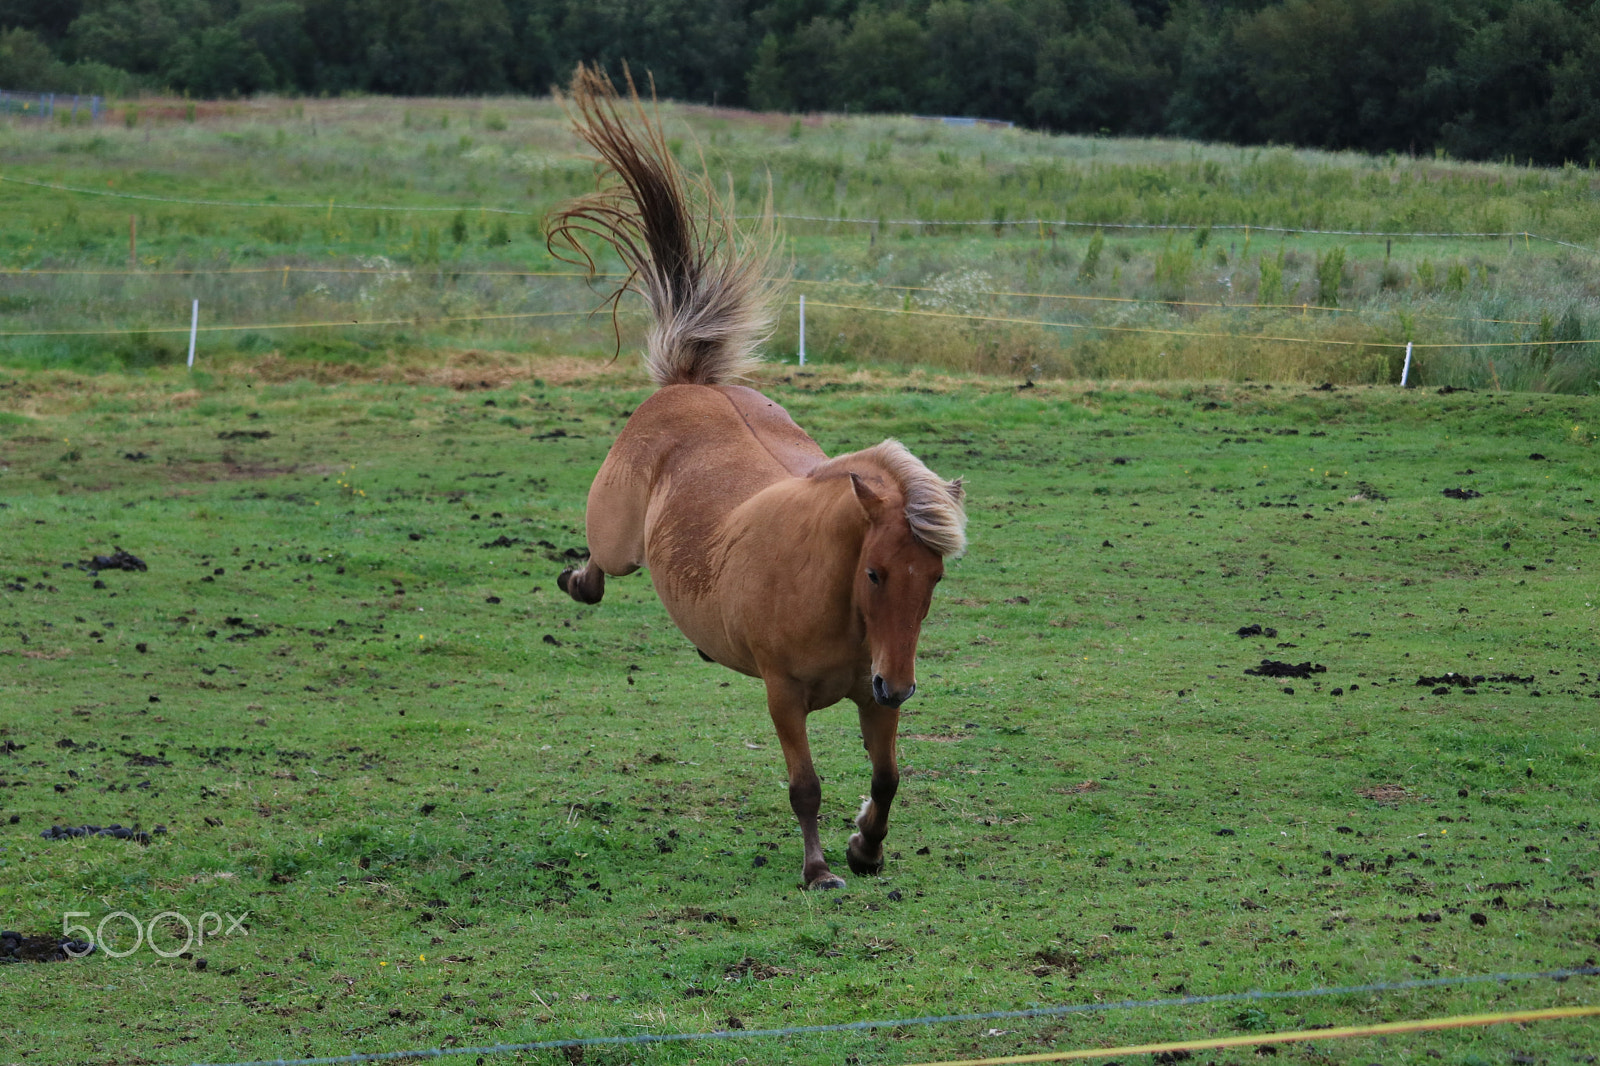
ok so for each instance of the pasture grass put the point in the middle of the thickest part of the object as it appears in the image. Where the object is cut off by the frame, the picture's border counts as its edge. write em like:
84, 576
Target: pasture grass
423, 259
460, 809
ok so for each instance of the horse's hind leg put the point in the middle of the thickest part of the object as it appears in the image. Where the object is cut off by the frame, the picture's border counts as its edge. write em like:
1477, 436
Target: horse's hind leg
879, 731
614, 523
787, 706
586, 583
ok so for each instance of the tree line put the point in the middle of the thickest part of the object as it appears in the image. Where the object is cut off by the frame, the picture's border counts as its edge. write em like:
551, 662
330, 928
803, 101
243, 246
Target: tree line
1473, 78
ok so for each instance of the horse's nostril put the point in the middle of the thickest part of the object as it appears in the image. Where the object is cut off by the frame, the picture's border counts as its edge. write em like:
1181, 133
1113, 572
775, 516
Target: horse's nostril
888, 696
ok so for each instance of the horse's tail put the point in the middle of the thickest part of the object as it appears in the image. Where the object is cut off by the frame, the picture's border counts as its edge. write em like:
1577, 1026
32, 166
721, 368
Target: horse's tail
707, 282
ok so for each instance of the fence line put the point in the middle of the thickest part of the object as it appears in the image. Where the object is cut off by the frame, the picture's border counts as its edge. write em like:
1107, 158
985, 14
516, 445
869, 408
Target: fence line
424, 321
1191, 333
1080, 224
1303, 307
1255, 995
23, 272
415, 320
1298, 1036
840, 219
43, 105
1186, 226
326, 205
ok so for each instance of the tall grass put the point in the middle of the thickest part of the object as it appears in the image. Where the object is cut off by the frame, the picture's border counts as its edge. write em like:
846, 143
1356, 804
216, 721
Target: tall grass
438, 163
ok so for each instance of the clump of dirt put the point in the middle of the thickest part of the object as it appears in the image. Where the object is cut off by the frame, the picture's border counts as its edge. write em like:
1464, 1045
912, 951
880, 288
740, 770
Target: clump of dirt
755, 968
695, 914
1443, 683
117, 560
19, 947
120, 832
1451, 678
1462, 494
1256, 630
245, 434
1274, 668
1053, 960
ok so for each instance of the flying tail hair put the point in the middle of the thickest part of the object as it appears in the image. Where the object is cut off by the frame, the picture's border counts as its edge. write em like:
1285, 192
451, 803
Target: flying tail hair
708, 283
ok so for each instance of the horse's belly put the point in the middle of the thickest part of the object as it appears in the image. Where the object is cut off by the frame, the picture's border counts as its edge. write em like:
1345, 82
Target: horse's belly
702, 622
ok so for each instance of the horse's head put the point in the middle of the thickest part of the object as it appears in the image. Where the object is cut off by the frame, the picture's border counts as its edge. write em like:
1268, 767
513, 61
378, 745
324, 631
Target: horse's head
893, 587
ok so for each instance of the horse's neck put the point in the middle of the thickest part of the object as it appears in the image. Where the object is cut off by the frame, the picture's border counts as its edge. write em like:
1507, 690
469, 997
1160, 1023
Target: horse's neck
814, 524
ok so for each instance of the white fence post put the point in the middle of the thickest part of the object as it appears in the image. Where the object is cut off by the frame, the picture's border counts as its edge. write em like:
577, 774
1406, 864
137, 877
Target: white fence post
1406, 371
802, 329
194, 327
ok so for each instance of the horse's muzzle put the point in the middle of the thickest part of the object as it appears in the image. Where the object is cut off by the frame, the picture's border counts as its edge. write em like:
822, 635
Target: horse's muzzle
890, 697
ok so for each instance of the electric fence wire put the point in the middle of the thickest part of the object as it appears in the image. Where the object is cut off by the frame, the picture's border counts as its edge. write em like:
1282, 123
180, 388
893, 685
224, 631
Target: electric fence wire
840, 219
1254, 995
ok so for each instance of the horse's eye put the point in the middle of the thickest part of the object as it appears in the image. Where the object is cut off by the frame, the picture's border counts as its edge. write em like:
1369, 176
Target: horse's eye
872, 575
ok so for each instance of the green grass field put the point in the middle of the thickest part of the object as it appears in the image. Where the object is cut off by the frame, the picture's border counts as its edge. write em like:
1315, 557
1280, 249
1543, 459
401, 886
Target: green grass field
461, 810
434, 262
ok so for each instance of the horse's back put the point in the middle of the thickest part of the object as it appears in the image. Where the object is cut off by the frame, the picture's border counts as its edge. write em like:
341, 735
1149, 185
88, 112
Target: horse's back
738, 439
771, 425
688, 456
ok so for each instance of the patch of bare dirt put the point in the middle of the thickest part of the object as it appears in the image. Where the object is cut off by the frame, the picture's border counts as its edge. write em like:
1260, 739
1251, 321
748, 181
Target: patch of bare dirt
755, 968
1387, 793
218, 471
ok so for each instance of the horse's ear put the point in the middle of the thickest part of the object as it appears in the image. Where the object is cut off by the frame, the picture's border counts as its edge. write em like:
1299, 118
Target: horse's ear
958, 490
870, 501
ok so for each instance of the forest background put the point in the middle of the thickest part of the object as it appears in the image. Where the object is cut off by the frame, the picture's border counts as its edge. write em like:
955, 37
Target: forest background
1473, 79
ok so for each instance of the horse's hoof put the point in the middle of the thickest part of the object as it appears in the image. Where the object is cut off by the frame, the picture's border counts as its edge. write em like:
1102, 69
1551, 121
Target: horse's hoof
564, 579
825, 881
860, 863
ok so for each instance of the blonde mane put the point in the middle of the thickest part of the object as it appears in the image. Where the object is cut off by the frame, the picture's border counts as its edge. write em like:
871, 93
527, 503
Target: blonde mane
934, 506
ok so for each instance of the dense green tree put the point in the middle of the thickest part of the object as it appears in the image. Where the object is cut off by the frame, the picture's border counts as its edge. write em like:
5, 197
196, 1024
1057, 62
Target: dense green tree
140, 36
1479, 78
881, 63
218, 61
981, 59
796, 74
355, 46
275, 29
1344, 73
1211, 98
49, 19
1100, 77
453, 47
26, 60
695, 51
1523, 86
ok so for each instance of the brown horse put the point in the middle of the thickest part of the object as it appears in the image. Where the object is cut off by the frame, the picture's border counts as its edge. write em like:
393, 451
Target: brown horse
812, 574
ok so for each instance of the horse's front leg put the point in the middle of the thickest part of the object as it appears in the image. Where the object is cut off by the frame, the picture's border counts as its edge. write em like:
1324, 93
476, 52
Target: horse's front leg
880, 728
787, 705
